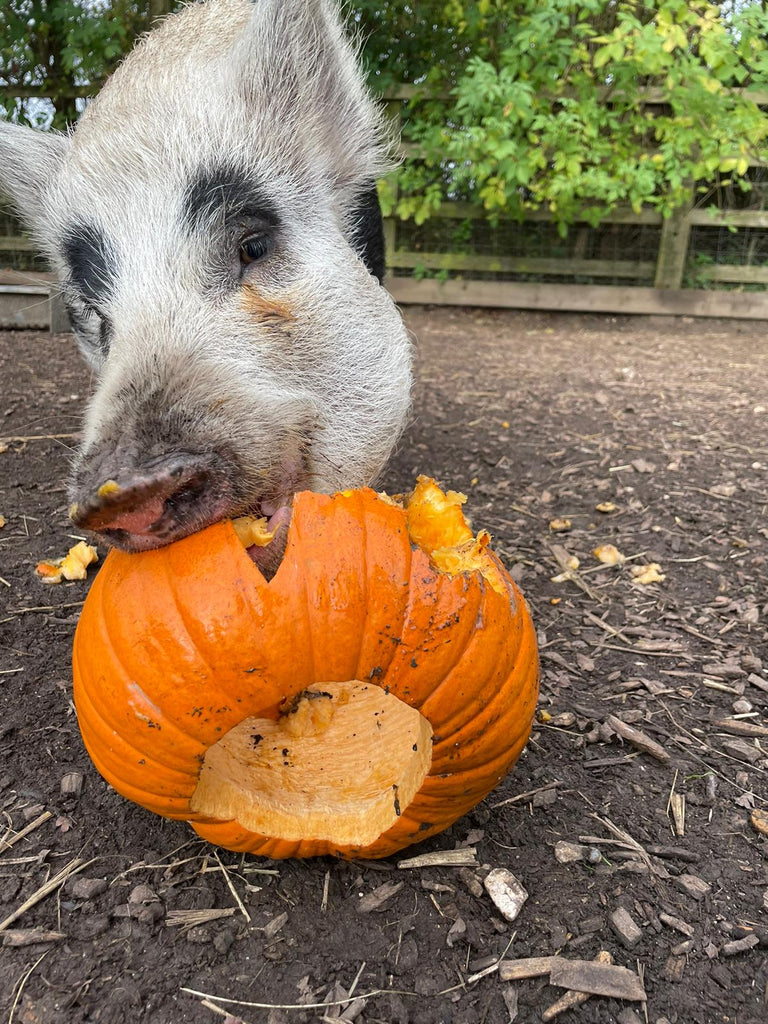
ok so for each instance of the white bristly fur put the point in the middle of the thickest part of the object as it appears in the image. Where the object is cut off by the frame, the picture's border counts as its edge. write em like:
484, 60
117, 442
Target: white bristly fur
273, 88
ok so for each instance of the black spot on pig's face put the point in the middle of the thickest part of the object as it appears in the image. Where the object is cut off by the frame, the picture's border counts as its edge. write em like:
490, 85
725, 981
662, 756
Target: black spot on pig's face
220, 196
92, 263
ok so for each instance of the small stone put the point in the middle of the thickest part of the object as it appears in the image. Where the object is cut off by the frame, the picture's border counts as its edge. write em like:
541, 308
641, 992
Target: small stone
149, 913
741, 706
506, 891
564, 720
594, 856
86, 888
567, 853
544, 798
142, 894
694, 886
223, 940
200, 935
627, 931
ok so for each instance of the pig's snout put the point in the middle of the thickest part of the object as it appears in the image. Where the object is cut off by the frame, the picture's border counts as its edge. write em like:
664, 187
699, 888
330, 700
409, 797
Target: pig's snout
138, 509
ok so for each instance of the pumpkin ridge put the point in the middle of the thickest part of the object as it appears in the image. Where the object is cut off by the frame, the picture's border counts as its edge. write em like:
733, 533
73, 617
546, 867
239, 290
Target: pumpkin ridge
471, 638
194, 635
363, 632
304, 602
497, 673
109, 609
474, 749
87, 713
415, 602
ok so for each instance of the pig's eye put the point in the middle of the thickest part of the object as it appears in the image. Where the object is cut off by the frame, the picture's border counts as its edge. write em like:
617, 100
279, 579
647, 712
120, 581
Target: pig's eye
253, 249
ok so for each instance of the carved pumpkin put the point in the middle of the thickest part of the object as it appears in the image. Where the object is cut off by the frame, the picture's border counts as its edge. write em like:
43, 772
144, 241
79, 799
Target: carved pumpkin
368, 695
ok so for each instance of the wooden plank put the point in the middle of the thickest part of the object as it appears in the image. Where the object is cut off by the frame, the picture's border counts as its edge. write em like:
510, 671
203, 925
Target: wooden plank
709, 218
24, 310
645, 94
471, 211
520, 265
733, 273
594, 298
673, 248
16, 243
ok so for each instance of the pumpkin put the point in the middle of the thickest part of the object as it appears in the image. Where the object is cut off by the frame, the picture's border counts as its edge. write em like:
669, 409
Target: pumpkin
364, 698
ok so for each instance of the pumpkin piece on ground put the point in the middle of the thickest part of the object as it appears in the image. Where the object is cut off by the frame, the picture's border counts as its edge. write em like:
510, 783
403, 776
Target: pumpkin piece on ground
73, 566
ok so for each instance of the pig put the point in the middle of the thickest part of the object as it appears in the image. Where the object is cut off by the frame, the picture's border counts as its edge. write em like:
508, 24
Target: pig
214, 223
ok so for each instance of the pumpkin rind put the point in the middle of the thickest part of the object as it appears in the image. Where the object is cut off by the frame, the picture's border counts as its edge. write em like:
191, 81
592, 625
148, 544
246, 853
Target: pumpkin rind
178, 645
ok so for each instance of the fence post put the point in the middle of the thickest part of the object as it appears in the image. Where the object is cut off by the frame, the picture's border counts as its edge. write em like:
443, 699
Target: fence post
158, 9
394, 112
673, 247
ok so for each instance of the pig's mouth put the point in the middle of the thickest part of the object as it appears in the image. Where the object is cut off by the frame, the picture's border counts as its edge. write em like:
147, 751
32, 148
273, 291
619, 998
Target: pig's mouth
139, 511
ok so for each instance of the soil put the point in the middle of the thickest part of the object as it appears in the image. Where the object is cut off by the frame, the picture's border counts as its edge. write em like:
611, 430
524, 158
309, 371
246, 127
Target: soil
538, 418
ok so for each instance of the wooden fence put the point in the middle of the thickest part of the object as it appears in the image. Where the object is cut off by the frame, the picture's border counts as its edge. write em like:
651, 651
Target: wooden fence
652, 283
661, 292
658, 283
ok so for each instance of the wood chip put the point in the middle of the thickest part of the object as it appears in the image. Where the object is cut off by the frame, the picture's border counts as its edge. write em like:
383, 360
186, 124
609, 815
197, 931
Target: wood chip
638, 739
382, 894
597, 979
742, 750
694, 886
571, 999
72, 784
759, 820
740, 945
29, 936
739, 728
627, 931
677, 924
442, 859
528, 967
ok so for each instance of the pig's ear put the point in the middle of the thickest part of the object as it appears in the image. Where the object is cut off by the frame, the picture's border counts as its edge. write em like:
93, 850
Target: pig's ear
29, 160
299, 73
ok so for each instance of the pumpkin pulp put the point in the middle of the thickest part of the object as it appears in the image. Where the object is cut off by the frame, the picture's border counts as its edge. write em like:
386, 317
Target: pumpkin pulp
338, 765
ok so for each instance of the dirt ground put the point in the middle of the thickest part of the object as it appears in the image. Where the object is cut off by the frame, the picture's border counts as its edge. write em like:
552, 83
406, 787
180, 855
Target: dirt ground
539, 418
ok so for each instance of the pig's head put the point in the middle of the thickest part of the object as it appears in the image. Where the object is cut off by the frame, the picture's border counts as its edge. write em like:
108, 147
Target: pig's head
214, 225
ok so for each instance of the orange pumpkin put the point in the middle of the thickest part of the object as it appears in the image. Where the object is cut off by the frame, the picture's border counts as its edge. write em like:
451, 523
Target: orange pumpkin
368, 695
